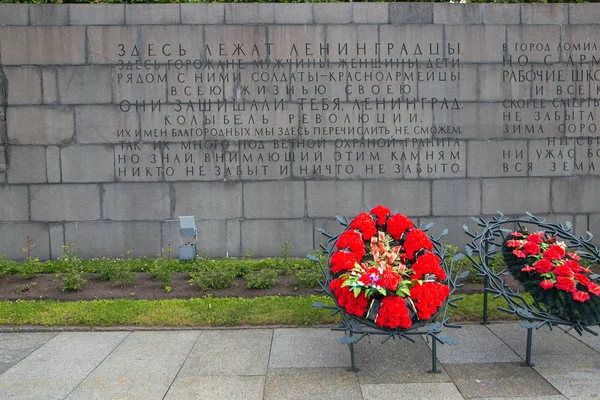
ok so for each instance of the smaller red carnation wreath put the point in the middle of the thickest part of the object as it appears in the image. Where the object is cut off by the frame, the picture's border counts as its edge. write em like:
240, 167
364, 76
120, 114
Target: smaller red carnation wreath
384, 270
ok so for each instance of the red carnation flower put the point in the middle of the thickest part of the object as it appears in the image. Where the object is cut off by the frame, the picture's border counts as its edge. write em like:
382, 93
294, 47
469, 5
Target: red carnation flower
357, 305
535, 238
531, 249
528, 268
428, 297
391, 280
352, 240
516, 234
381, 213
574, 256
398, 224
342, 261
581, 296
365, 223
428, 263
416, 240
543, 266
546, 284
393, 313
554, 253
566, 284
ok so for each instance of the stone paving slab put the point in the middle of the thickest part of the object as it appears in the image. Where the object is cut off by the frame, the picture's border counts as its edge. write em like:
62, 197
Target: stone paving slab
313, 383
413, 391
499, 380
217, 387
234, 352
16, 346
587, 338
56, 368
558, 397
544, 340
395, 361
477, 344
143, 366
308, 348
576, 376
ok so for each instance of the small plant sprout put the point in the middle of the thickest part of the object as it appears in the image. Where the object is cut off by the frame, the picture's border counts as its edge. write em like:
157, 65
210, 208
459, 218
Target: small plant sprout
285, 249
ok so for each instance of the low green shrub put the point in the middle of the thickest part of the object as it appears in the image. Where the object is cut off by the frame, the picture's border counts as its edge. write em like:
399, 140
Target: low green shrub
307, 277
207, 277
73, 280
262, 279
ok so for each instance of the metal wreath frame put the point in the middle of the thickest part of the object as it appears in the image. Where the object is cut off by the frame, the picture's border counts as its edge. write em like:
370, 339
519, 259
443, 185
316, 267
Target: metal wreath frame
356, 328
485, 244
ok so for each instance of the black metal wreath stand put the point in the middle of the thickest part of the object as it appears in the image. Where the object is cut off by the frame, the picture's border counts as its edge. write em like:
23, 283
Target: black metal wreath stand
355, 329
485, 244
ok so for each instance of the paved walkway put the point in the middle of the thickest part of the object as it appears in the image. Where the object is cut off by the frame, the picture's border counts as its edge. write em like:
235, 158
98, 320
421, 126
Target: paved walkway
293, 363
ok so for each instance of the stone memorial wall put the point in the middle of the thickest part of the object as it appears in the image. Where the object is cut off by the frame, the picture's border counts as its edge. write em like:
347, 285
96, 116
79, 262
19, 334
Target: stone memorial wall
265, 121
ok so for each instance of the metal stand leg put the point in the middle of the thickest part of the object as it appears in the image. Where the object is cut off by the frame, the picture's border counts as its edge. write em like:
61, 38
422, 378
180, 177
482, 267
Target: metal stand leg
353, 365
528, 362
434, 368
486, 284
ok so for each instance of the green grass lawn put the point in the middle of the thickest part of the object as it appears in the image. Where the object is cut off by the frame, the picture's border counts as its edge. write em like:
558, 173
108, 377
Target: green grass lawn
202, 312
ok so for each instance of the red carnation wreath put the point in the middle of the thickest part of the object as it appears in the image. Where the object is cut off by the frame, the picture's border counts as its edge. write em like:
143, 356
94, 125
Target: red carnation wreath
384, 270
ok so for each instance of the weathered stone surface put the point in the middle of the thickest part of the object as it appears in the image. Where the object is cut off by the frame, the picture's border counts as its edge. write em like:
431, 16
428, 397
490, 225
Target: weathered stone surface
53, 170
151, 14
14, 203
501, 13
249, 13
12, 239
517, 195
290, 36
208, 200
412, 390
102, 124
48, 14
273, 233
233, 247
223, 387
413, 198
87, 164
466, 195
198, 13
142, 201
411, 13
327, 13
461, 14
273, 200
146, 363
579, 193
24, 85
412, 35
325, 383
505, 158
114, 239
40, 125
370, 13
103, 44
78, 202
44, 44
296, 13
519, 37
307, 348
16, 346
55, 369
96, 14
548, 14
168, 43
28, 165
50, 86
84, 85
14, 14
330, 199
574, 376
57, 240
582, 14
478, 43
493, 89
